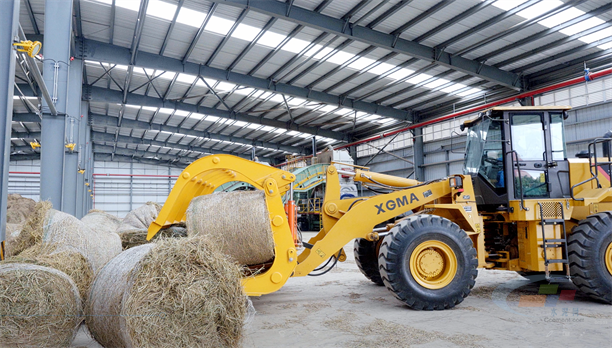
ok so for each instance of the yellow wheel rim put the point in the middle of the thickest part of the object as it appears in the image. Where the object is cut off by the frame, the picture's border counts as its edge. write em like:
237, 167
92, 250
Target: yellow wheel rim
433, 264
609, 258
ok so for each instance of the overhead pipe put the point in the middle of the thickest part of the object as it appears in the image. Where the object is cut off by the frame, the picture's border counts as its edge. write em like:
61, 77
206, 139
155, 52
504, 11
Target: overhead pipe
586, 77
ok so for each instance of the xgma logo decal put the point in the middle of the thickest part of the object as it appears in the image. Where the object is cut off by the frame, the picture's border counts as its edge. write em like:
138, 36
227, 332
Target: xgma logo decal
393, 204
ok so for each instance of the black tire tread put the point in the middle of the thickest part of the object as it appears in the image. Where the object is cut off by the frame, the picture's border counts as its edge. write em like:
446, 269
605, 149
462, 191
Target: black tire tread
389, 270
366, 259
582, 246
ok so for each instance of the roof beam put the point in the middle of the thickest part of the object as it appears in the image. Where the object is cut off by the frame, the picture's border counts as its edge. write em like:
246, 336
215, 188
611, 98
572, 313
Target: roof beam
138, 153
98, 94
171, 28
107, 137
463, 15
104, 157
111, 121
100, 51
520, 26
489, 22
28, 7
546, 32
387, 41
551, 45
227, 37
195, 40
390, 12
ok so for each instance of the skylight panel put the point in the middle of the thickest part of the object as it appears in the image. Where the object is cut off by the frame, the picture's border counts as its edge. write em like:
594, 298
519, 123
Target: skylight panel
211, 118
190, 17
133, 5
277, 98
436, 83
161, 9
240, 124
267, 129
219, 25
295, 45
279, 131
419, 78
148, 108
596, 36
340, 57
469, 92
183, 113
401, 73
381, 68
327, 108
245, 32
292, 133
361, 63
605, 46
253, 126
165, 111
507, 4
325, 51
582, 26
539, 8
197, 116
561, 17
185, 78
224, 86
296, 101
452, 88
271, 39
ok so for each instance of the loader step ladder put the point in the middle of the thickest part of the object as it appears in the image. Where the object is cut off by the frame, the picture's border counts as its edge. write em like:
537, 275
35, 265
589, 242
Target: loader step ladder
596, 166
554, 209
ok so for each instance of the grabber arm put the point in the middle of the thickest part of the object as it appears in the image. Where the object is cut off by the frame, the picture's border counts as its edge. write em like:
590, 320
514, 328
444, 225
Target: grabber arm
206, 174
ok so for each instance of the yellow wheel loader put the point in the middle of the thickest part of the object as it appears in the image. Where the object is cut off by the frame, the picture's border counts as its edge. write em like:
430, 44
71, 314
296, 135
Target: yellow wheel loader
520, 205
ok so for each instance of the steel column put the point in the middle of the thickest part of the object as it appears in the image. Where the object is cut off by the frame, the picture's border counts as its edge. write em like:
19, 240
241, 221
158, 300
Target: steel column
71, 158
418, 154
9, 24
82, 160
58, 33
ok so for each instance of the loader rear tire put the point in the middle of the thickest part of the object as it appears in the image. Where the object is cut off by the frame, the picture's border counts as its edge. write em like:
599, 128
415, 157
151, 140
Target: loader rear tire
428, 262
590, 256
366, 258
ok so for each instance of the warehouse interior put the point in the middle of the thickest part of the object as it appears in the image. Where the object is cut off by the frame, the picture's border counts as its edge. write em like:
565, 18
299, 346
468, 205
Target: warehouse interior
120, 96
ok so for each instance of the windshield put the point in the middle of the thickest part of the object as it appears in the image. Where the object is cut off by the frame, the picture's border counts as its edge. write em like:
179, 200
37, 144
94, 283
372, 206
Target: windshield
476, 139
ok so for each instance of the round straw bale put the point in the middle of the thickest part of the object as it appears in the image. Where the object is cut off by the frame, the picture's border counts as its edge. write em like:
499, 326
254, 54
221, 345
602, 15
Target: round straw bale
62, 258
133, 238
238, 222
101, 221
39, 306
18, 208
139, 218
66, 230
12, 232
174, 293
32, 230
49, 226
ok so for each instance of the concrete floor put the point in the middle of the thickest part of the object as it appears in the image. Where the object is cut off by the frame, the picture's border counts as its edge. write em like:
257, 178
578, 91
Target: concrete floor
344, 309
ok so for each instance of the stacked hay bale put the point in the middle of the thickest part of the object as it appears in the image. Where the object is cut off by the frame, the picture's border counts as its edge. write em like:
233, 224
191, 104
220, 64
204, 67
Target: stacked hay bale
51, 227
237, 222
18, 208
101, 221
174, 293
65, 259
39, 306
134, 227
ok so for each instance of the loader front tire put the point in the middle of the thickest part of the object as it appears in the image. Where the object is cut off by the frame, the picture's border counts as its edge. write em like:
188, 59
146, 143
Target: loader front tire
366, 258
428, 262
590, 256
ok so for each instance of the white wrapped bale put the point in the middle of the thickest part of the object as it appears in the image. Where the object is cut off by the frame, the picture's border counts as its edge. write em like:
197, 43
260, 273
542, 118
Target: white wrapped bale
101, 221
174, 293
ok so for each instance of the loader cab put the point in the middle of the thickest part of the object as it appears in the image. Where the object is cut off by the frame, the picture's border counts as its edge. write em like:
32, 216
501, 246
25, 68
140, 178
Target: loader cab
517, 153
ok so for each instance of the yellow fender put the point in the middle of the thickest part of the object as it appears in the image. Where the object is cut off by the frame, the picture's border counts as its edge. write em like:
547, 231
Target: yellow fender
206, 174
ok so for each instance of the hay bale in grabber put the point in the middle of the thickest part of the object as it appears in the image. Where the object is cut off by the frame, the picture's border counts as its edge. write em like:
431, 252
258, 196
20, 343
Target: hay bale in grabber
174, 293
